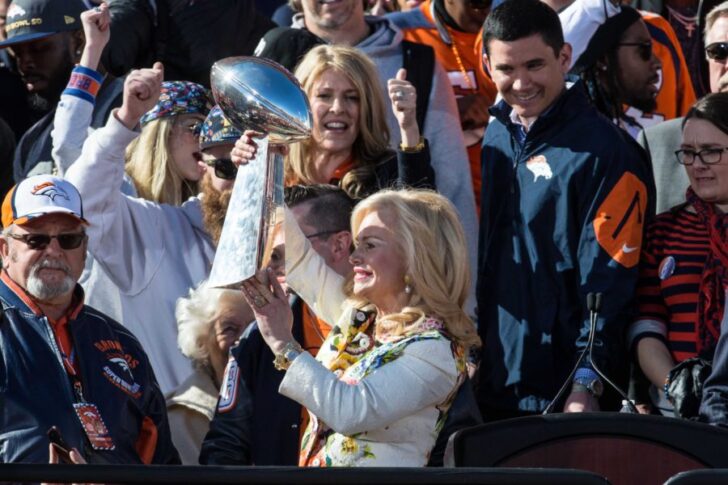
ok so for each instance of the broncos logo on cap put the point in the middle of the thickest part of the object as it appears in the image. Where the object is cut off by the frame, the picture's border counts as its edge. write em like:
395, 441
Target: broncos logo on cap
15, 10
50, 190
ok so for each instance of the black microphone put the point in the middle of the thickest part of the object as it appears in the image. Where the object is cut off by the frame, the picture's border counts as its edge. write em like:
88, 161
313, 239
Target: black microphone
594, 305
590, 303
594, 313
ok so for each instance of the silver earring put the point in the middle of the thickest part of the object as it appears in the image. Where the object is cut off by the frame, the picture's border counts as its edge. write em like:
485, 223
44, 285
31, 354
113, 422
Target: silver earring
407, 287
78, 52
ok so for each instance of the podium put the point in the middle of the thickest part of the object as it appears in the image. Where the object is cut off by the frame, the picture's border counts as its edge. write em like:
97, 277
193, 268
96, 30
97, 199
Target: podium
624, 448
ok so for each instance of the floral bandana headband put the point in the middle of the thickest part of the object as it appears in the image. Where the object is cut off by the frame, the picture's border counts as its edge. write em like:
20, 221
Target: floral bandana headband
179, 98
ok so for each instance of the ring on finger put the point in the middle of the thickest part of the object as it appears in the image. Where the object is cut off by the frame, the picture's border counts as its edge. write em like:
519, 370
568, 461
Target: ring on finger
97, 9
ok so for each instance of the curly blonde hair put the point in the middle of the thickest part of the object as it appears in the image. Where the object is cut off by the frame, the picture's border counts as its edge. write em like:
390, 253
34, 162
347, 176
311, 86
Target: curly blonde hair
432, 242
151, 168
372, 143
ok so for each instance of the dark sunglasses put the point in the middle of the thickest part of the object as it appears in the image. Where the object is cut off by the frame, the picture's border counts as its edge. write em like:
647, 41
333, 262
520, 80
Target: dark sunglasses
717, 51
41, 241
224, 168
644, 49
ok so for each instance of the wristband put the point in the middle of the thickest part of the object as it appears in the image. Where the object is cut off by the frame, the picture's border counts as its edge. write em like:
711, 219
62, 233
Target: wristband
85, 83
417, 148
586, 373
587, 379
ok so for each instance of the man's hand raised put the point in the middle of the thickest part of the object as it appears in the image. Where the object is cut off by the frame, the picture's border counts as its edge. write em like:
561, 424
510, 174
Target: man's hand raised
97, 31
141, 93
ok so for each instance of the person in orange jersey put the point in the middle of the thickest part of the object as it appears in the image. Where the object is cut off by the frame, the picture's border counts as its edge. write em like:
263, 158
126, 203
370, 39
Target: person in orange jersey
452, 28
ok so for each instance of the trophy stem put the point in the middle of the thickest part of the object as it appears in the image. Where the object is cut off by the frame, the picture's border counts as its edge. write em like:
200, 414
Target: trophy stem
273, 213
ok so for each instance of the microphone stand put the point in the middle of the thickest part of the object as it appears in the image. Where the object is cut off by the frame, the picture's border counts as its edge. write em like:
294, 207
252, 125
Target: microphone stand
594, 304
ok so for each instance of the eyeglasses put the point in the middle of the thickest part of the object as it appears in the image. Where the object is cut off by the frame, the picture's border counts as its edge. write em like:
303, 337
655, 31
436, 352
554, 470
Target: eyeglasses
709, 156
224, 168
644, 49
717, 51
193, 127
41, 241
323, 233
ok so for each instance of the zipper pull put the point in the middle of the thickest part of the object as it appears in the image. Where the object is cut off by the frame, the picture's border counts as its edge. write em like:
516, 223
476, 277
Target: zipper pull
78, 390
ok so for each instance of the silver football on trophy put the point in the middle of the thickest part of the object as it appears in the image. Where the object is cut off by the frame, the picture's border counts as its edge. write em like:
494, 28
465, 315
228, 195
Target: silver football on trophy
256, 94
261, 95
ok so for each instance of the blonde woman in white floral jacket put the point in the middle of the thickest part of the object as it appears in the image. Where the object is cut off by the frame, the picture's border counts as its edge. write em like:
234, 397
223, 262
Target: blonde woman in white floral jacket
380, 388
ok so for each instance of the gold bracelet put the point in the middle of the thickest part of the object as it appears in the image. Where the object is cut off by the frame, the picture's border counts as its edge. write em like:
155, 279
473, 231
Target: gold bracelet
289, 353
417, 148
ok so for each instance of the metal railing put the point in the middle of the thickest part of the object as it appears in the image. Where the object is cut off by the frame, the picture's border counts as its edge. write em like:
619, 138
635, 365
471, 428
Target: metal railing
136, 474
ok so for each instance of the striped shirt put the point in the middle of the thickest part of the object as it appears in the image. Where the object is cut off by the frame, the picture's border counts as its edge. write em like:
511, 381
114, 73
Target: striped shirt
670, 273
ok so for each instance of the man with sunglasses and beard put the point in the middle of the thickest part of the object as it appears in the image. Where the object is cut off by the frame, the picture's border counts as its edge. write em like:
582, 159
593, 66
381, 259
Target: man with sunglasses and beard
619, 68
92, 372
675, 93
661, 141
217, 139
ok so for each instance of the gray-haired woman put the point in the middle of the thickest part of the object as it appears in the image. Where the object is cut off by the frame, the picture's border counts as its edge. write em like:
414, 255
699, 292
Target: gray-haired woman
210, 320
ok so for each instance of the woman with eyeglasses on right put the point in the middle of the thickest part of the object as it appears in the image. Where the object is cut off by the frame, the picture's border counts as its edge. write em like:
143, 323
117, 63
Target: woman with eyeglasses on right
684, 267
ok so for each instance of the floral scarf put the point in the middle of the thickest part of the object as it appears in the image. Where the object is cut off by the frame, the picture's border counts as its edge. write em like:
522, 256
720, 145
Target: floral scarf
714, 280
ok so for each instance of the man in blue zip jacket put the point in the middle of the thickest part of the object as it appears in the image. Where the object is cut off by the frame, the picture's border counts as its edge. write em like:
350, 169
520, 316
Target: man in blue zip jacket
63, 363
564, 202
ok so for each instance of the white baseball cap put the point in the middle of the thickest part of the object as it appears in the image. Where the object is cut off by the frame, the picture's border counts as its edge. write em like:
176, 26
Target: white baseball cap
38, 196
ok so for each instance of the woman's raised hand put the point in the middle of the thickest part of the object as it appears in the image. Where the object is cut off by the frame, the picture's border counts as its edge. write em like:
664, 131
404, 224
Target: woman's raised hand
246, 148
141, 93
270, 305
403, 97
97, 31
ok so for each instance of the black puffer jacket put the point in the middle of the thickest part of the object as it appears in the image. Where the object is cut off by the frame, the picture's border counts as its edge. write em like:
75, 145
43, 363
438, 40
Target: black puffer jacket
187, 36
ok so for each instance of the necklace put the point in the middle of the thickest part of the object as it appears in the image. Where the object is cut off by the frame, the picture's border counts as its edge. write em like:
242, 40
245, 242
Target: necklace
459, 60
688, 23
447, 38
